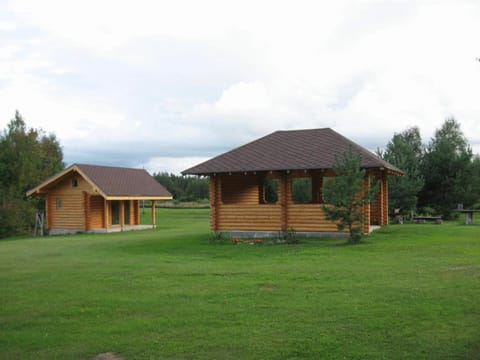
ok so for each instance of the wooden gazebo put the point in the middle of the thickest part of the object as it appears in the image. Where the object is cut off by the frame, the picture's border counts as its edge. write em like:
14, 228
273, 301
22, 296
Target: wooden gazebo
91, 198
241, 179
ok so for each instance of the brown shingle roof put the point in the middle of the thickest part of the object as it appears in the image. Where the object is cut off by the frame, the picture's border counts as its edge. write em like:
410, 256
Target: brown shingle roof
112, 182
289, 150
119, 181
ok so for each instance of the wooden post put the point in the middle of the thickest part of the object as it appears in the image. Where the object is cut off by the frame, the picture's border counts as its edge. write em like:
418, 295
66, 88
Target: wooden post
283, 201
317, 184
122, 213
385, 198
366, 206
136, 205
214, 201
105, 214
42, 219
48, 210
153, 214
86, 205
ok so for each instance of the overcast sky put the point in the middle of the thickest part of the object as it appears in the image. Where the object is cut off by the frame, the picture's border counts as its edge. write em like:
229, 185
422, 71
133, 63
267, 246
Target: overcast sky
166, 84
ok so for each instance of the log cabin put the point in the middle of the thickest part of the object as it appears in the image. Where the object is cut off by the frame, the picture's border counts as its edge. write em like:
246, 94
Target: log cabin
91, 198
254, 188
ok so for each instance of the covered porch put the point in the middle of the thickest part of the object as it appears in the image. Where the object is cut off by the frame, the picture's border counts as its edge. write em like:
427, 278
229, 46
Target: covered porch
113, 214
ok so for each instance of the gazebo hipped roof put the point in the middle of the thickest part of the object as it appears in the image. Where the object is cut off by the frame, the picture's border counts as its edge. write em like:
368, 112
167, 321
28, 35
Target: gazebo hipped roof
312, 149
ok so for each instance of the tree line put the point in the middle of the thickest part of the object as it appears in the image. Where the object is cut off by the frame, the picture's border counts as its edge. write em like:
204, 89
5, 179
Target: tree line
437, 176
184, 188
27, 157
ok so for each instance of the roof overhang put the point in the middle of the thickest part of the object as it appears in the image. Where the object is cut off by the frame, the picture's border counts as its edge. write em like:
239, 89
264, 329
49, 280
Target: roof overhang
41, 189
142, 197
389, 171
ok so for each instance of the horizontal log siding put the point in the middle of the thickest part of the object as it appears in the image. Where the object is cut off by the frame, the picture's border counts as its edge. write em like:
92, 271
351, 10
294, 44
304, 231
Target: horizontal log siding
249, 217
384, 209
308, 217
72, 213
379, 207
248, 214
235, 204
239, 207
366, 206
376, 205
240, 189
96, 212
214, 194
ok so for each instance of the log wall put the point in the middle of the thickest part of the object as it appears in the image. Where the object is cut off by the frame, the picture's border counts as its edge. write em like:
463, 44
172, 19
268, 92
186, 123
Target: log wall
96, 218
379, 208
71, 213
240, 189
80, 209
236, 203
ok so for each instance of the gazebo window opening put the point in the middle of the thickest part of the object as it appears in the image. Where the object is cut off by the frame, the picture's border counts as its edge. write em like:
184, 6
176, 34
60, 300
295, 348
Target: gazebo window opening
270, 191
302, 190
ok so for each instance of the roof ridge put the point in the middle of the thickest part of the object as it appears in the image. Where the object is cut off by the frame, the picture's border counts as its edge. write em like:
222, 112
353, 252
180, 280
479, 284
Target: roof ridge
108, 166
299, 130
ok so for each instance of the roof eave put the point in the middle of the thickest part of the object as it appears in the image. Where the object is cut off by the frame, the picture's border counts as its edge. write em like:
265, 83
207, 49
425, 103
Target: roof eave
140, 197
40, 189
390, 171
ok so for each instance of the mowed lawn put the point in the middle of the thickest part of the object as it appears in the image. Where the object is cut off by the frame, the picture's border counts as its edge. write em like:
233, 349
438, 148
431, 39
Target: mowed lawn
407, 292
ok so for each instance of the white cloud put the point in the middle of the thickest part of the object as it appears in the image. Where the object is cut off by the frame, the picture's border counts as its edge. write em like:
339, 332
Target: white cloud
173, 165
240, 98
191, 79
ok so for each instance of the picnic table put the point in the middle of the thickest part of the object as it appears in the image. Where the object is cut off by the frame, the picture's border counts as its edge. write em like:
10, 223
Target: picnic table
424, 219
468, 214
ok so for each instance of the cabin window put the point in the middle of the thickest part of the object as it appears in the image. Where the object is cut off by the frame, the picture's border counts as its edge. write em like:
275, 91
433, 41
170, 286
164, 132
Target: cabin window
74, 183
270, 191
302, 190
59, 203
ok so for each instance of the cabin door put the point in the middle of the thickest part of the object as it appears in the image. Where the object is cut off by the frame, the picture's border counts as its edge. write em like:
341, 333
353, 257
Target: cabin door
115, 212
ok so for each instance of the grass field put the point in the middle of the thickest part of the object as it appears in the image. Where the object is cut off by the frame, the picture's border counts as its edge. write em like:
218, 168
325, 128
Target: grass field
407, 292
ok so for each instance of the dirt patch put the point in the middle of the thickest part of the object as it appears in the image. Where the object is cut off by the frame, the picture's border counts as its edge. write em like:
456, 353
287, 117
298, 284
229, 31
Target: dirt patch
107, 356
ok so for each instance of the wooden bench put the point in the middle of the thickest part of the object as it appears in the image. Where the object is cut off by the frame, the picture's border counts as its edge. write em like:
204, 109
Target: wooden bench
424, 219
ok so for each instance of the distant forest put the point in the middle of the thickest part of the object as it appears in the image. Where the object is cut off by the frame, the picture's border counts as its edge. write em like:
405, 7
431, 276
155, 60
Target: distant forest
184, 188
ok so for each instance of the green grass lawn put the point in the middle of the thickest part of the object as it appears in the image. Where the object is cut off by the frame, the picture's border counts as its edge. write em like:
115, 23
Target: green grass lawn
407, 292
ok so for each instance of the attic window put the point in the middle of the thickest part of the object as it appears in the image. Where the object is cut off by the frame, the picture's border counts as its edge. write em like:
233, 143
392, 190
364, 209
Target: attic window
74, 182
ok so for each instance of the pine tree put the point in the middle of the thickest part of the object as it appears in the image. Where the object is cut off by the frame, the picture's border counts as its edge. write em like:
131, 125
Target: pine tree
448, 169
405, 151
345, 195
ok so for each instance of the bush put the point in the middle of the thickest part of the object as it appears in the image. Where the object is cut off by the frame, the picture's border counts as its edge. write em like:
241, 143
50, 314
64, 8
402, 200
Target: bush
16, 217
218, 237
